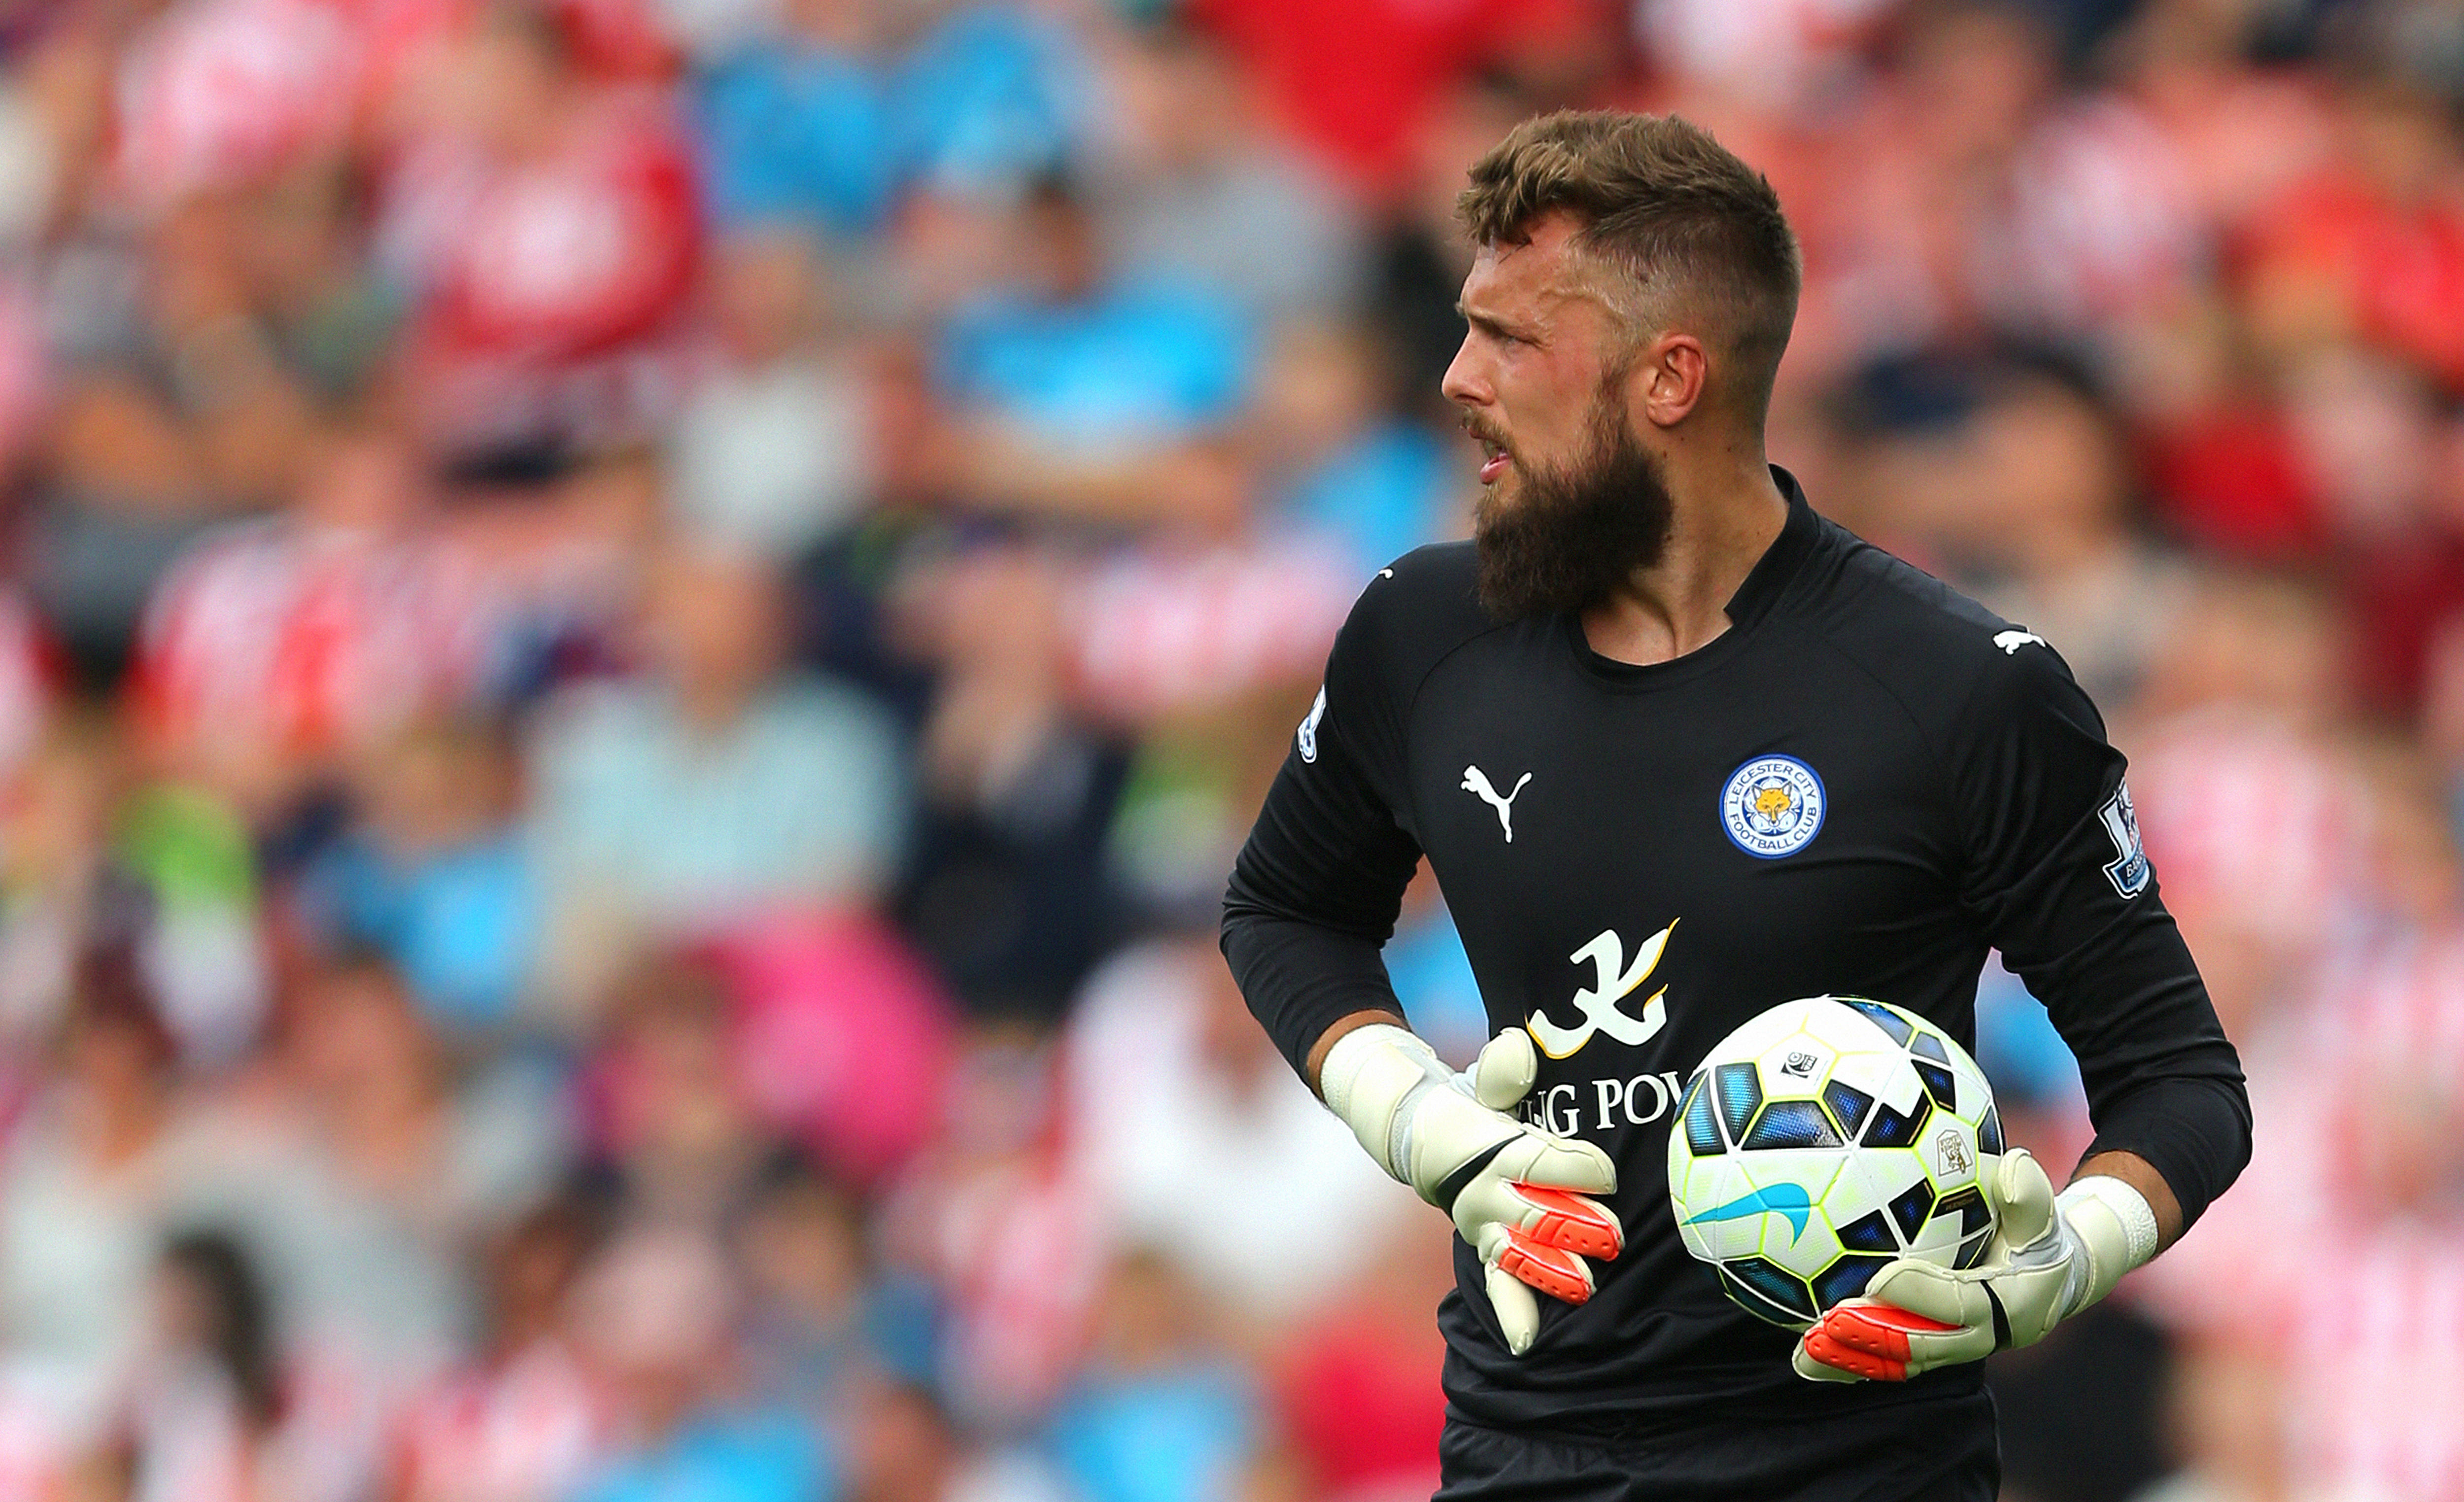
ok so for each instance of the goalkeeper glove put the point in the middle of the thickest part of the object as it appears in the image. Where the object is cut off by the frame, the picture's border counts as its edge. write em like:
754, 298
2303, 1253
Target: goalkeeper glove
2049, 1258
1518, 1195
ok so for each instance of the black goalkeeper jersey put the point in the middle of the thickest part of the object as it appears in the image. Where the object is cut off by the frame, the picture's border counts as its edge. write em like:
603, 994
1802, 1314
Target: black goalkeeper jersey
1861, 786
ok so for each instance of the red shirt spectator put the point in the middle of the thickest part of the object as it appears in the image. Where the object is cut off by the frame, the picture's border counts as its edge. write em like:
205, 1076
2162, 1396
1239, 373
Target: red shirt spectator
2230, 480
554, 239
525, 1430
215, 93
1354, 77
1363, 1406
2379, 254
1148, 634
297, 639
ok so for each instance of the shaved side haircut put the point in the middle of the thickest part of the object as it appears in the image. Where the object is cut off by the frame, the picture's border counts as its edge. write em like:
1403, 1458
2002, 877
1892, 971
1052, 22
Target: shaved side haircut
1675, 226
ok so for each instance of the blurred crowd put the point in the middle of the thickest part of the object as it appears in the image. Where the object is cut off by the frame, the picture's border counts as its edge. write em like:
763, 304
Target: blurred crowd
636, 634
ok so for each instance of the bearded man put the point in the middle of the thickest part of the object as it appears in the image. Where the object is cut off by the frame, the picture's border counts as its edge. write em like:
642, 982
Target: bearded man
1659, 708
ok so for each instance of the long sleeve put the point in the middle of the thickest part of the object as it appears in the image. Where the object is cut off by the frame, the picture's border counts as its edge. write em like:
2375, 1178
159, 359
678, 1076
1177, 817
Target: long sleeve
1314, 895
2055, 871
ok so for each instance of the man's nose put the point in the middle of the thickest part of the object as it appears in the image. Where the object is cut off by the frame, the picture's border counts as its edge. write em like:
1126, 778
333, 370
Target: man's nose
1466, 382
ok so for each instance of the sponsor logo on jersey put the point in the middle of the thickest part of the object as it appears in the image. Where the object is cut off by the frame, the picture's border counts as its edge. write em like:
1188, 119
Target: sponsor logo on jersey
1772, 806
1613, 979
1308, 727
2128, 870
1780, 1198
1637, 1101
2011, 641
1476, 783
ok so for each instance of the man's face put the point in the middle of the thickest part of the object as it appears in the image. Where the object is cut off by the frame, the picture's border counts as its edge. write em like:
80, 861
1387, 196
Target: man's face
1532, 360
1572, 502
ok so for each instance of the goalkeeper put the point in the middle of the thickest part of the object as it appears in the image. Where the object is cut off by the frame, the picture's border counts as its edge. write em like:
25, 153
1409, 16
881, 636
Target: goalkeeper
1679, 749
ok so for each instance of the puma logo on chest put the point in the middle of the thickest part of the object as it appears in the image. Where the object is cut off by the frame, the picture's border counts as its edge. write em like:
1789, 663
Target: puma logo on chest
1476, 783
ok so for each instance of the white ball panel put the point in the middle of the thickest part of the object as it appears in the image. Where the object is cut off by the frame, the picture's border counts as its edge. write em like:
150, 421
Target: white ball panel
1756, 1036
1794, 1067
1804, 1253
1843, 1026
1869, 1071
1975, 1094
1713, 1185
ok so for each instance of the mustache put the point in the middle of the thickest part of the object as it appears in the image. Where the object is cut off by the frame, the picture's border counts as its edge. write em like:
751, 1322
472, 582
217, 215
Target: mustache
1480, 431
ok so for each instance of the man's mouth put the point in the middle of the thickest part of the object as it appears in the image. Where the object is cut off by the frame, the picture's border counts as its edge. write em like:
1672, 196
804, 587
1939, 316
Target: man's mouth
1493, 460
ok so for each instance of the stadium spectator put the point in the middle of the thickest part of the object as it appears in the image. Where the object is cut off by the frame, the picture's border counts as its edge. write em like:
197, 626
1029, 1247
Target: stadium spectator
432, 873
716, 787
654, 1313
522, 1421
775, 450
1204, 1090
89, 1168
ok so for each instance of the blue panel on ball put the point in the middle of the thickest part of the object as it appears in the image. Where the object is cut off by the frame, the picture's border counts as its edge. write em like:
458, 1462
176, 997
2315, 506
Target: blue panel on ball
1793, 1123
1848, 1105
1868, 1233
1740, 1092
1969, 1203
1755, 1304
1882, 1017
1845, 1278
1776, 1284
1702, 1134
1912, 1209
1891, 1129
1989, 1131
1938, 1084
1930, 1046
1972, 1252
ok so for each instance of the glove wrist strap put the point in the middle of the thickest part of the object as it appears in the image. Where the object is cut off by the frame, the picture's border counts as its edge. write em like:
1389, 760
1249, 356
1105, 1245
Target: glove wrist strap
2116, 1229
1370, 1078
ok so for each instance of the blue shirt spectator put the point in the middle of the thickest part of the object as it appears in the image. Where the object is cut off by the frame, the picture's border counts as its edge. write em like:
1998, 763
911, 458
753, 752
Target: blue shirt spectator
2016, 1046
989, 98
799, 133
1123, 366
461, 925
715, 786
1380, 496
771, 1456
1433, 980
1178, 1435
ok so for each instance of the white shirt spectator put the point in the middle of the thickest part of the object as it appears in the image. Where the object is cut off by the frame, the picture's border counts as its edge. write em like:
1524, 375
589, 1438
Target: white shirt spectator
1226, 1162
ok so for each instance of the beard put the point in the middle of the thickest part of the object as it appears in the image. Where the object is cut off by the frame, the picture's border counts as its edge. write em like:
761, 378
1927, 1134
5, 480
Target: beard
1571, 535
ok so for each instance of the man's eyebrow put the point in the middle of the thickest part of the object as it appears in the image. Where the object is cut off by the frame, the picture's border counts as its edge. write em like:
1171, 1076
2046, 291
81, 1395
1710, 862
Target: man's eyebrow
1483, 321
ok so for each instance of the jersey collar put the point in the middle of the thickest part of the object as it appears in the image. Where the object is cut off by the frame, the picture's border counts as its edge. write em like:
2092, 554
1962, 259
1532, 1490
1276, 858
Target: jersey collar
1765, 583
1768, 579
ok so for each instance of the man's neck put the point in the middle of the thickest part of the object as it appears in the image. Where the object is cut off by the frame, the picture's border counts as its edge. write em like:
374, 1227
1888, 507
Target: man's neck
1719, 525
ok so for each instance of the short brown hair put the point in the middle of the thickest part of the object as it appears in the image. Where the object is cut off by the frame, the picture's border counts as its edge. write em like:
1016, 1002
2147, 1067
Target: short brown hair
1660, 203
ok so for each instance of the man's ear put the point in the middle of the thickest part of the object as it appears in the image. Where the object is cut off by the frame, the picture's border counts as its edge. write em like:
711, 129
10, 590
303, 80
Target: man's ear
1668, 378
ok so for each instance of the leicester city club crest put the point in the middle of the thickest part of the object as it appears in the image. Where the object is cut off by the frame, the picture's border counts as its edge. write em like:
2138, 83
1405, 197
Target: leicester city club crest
1772, 806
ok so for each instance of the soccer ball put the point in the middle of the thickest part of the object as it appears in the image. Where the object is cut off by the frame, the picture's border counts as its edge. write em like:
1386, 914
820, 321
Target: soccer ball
1822, 1140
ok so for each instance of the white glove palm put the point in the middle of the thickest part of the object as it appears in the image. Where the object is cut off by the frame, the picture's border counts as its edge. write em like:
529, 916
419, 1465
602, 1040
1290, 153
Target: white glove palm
1517, 1194
2049, 1258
